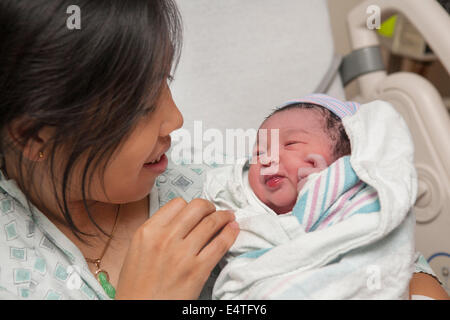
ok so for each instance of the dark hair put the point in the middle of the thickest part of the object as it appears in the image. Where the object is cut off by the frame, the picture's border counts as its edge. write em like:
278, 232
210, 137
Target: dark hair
332, 124
91, 85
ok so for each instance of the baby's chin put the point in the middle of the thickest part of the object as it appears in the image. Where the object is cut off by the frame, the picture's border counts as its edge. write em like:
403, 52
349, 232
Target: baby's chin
281, 204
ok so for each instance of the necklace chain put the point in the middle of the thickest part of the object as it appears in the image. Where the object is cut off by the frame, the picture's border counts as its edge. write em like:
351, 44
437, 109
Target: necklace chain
102, 275
97, 262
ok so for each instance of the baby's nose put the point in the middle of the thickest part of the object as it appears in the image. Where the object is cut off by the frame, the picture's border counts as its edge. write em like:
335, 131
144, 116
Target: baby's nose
270, 165
269, 158
269, 161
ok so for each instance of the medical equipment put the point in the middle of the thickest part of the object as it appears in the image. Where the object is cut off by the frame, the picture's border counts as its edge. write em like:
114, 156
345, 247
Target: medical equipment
423, 109
404, 39
242, 58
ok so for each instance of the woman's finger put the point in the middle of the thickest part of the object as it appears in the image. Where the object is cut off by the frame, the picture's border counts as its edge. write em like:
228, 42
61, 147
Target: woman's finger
207, 228
160, 265
211, 254
190, 216
166, 213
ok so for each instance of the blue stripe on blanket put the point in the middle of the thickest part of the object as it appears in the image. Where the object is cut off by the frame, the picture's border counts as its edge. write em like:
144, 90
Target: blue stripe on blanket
300, 207
371, 207
254, 254
328, 205
350, 179
326, 190
350, 175
317, 223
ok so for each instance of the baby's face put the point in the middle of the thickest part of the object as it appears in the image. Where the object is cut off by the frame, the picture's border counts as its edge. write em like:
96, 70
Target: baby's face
301, 133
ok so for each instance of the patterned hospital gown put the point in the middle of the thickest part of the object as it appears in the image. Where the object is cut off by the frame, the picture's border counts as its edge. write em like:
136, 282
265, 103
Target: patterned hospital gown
37, 261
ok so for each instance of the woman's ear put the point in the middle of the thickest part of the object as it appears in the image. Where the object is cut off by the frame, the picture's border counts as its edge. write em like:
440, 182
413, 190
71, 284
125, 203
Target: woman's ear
32, 148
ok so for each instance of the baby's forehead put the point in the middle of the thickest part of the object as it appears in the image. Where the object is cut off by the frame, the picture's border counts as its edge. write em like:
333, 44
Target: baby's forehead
294, 117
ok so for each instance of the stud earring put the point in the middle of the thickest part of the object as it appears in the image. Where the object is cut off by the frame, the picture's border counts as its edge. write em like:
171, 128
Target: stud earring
41, 154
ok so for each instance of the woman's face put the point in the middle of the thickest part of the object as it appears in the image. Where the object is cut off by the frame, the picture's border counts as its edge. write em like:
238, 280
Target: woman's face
130, 174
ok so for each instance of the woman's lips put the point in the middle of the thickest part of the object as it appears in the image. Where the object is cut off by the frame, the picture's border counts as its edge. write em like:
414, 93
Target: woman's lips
159, 166
157, 159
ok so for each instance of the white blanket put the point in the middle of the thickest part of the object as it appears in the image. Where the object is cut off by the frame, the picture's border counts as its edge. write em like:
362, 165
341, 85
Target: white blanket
362, 256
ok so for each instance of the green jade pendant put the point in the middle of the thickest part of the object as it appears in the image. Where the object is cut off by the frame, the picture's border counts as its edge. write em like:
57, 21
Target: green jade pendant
103, 279
102, 275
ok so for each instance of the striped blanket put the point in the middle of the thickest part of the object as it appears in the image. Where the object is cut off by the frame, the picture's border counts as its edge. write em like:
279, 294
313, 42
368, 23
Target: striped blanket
334, 195
350, 234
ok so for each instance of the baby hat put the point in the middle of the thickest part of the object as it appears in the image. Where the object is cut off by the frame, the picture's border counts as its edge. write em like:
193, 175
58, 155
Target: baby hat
338, 107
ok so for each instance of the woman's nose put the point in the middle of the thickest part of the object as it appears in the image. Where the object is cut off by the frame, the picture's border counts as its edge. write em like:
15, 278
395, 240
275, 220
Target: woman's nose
177, 117
174, 118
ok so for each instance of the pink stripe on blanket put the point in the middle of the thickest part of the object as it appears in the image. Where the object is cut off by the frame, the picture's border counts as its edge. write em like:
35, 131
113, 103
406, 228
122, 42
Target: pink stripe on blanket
369, 196
341, 204
336, 181
278, 287
312, 212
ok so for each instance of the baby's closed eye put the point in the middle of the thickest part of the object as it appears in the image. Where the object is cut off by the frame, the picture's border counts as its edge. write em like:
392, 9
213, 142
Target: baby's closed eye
294, 144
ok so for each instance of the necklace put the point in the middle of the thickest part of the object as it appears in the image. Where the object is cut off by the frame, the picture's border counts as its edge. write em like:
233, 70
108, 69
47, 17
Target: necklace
102, 274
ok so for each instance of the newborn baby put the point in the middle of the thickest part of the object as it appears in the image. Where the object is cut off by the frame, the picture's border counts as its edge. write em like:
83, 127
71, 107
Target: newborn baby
317, 202
311, 137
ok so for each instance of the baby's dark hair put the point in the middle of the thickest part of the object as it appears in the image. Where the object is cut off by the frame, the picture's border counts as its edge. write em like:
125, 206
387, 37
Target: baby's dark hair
332, 124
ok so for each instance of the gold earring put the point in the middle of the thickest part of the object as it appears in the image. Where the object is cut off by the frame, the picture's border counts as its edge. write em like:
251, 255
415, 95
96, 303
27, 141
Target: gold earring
41, 154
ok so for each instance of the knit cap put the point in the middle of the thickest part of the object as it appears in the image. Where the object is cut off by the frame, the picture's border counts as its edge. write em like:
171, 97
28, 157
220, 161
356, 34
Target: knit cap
338, 107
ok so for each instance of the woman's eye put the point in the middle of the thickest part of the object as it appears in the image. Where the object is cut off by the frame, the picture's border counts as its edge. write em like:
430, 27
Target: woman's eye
292, 143
148, 111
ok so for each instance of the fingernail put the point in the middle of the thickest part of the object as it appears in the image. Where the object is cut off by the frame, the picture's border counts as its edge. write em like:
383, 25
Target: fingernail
234, 225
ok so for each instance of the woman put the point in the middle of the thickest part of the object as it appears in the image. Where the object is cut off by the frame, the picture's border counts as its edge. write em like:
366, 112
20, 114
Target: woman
85, 121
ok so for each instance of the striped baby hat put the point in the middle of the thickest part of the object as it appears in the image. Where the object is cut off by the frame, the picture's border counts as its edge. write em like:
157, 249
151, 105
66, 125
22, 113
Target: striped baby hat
338, 107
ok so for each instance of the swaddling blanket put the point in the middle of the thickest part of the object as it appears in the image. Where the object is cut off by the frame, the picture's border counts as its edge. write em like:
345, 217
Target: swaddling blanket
350, 234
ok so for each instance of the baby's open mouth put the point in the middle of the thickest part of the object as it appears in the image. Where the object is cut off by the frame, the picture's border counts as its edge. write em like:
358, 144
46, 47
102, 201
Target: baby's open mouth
273, 180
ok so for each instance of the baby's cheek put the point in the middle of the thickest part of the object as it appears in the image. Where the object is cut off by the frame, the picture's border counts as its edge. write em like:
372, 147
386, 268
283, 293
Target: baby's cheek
253, 178
251, 174
293, 169
326, 151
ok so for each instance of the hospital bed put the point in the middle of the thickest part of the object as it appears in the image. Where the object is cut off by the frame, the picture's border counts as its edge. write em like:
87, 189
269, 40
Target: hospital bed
240, 59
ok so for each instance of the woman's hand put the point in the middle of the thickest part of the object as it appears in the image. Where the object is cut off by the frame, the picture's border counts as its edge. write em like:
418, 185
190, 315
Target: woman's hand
173, 253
